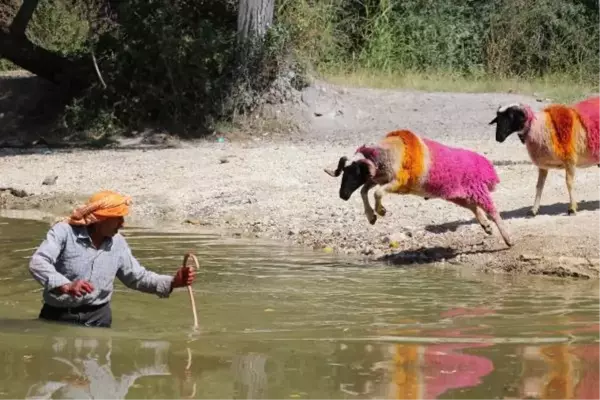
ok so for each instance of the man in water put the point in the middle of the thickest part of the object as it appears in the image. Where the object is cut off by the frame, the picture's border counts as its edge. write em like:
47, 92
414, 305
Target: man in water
77, 263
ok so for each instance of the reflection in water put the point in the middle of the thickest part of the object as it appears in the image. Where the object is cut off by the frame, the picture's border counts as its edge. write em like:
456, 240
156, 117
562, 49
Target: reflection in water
296, 325
250, 377
82, 369
560, 372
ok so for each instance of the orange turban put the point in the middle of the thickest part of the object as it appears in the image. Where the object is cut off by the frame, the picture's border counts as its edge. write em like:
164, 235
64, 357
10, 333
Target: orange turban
100, 206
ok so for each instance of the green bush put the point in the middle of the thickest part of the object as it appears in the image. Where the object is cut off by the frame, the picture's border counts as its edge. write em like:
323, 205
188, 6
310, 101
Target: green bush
525, 38
176, 64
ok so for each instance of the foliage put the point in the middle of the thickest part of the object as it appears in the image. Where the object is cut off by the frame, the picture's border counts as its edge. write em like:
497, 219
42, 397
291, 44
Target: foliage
510, 38
176, 63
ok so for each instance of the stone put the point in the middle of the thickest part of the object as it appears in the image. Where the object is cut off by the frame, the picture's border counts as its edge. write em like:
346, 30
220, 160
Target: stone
50, 180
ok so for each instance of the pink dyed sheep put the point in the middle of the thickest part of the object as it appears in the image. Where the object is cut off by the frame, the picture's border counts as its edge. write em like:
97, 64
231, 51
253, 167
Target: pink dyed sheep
404, 163
558, 137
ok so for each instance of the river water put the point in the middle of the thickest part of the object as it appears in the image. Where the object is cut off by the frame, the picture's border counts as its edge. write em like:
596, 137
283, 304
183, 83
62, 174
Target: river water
283, 323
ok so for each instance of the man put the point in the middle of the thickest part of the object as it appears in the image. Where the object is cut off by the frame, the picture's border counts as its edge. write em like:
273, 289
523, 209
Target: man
77, 263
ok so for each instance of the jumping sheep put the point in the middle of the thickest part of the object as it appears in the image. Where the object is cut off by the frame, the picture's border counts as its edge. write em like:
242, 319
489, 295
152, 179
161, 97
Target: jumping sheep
558, 137
405, 163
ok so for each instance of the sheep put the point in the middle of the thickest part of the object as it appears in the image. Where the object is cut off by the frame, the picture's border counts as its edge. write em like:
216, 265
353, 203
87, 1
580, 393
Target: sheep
406, 163
558, 137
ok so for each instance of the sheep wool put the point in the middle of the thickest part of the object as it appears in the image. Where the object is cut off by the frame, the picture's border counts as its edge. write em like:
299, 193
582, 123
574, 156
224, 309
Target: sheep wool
434, 170
589, 114
569, 132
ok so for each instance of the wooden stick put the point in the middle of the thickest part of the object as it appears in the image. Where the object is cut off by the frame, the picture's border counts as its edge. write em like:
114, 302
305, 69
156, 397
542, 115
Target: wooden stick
190, 292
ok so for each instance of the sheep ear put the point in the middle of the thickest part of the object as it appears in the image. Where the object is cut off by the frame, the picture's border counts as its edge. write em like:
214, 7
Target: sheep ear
368, 166
492, 122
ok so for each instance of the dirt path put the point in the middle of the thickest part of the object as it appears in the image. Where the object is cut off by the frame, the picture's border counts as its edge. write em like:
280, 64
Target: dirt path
276, 188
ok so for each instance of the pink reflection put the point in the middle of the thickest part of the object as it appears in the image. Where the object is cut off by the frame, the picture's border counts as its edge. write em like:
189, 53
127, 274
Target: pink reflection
467, 312
429, 371
446, 368
588, 385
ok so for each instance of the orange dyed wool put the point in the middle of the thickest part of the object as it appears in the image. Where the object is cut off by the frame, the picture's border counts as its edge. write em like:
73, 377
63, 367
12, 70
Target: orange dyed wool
562, 122
412, 159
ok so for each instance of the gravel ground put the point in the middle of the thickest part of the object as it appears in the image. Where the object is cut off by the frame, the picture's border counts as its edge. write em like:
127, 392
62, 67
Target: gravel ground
273, 186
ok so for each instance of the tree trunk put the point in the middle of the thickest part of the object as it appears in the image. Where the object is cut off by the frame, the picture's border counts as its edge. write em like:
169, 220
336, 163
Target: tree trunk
254, 18
19, 23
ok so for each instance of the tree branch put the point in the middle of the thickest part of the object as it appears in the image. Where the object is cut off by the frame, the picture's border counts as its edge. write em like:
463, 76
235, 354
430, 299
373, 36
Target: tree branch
70, 74
21, 20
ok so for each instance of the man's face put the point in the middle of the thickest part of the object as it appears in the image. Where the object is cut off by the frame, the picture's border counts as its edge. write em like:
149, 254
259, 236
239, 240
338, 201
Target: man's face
110, 226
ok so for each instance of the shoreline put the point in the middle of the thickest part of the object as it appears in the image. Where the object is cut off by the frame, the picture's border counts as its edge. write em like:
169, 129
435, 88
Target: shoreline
273, 187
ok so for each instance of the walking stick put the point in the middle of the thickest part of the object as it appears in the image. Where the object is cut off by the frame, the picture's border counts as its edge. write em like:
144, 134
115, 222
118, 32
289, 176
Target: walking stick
190, 292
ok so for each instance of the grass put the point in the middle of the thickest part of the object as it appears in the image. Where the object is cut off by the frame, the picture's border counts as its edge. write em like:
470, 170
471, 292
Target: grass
557, 88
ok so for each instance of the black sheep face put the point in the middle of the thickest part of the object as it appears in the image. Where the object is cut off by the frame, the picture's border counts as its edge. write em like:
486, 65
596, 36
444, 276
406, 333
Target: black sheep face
509, 119
354, 176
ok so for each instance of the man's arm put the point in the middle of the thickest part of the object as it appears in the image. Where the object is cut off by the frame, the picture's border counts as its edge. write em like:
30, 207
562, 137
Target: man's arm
41, 264
134, 276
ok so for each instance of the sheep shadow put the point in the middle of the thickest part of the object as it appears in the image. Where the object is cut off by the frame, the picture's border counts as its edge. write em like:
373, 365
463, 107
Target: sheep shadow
523, 212
427, 255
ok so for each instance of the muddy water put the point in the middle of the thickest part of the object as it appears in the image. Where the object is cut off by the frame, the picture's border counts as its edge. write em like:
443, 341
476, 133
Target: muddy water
281, 323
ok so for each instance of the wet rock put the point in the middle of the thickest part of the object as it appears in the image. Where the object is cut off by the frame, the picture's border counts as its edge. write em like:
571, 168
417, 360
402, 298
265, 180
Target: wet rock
367, 251
15, 192
530, 257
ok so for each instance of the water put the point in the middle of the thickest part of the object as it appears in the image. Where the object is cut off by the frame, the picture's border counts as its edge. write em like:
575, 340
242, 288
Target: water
283, 323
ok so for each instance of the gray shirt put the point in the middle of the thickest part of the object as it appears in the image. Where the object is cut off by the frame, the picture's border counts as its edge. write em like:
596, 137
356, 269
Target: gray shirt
68, 254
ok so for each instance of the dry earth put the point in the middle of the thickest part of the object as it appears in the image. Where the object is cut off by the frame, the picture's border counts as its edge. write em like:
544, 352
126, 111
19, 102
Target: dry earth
273, 186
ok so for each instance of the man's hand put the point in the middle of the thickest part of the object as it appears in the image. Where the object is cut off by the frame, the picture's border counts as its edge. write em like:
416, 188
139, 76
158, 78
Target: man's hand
77, 288
183, 277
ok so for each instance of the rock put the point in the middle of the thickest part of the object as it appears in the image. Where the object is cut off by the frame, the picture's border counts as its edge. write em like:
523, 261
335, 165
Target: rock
15, 192
395, 238
530, 257
223, 160
50, 180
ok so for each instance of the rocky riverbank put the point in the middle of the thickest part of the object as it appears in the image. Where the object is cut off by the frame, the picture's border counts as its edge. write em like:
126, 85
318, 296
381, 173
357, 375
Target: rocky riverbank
273, 186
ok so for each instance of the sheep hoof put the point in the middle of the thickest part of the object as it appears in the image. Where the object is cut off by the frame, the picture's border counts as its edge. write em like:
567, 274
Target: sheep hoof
532, 213
373, 219
572, 212
381, 211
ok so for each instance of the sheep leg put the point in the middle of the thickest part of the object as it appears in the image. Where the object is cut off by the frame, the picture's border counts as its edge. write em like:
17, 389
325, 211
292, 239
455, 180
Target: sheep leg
479, 214
490, 209
364, 194
570, 175
482, 219
542, 174
378, 195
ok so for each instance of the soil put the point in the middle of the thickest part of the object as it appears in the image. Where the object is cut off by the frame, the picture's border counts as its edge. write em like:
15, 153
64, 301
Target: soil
270, 183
